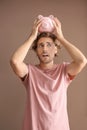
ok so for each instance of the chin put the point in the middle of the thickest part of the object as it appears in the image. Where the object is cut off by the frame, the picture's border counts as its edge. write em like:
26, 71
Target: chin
46, 61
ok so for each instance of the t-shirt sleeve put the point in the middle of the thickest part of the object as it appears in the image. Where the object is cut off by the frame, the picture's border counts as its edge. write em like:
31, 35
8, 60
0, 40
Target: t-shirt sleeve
68, 77
25, 79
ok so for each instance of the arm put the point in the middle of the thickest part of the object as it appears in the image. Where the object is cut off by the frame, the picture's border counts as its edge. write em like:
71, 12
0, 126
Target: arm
79, 60
17, 59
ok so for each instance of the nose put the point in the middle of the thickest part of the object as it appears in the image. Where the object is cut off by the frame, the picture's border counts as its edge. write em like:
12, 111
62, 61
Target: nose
45, 47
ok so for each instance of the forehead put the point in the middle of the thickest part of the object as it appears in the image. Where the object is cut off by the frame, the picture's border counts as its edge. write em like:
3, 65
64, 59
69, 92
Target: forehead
44, 39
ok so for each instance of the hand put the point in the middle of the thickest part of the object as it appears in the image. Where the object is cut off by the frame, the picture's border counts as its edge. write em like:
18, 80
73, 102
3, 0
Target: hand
36, 25
57, 28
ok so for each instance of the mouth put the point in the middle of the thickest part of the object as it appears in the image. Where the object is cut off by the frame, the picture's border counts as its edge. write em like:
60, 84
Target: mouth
45, 55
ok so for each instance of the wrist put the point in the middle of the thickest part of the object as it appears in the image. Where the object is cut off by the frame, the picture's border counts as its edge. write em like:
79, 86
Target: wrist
60, 39
31, 37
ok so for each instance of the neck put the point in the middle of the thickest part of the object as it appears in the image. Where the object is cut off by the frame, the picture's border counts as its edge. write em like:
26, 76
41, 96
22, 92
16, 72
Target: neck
46, 65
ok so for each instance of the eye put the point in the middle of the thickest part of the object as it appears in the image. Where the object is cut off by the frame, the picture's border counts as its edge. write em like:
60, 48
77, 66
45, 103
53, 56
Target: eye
40, 45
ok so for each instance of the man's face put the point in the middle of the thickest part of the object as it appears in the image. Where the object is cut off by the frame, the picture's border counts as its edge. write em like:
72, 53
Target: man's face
46, 50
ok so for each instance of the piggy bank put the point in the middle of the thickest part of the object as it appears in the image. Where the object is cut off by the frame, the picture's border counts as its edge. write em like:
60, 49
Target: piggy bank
47, 24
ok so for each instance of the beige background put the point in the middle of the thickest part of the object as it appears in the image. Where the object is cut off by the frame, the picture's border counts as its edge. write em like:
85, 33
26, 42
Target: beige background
16, 20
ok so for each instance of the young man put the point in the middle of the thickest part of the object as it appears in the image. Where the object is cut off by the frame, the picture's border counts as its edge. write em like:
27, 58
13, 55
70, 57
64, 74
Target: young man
46, 83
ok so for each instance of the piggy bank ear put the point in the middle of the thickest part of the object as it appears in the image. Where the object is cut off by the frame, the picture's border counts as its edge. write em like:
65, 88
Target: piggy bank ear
51, 16
40, 16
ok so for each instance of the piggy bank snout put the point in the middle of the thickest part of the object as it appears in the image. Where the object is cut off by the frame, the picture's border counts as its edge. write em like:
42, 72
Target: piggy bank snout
46, 23
46, 26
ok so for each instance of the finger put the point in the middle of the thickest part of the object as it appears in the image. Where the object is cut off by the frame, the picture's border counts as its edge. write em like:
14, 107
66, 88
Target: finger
56, 20
37, 24
37, 21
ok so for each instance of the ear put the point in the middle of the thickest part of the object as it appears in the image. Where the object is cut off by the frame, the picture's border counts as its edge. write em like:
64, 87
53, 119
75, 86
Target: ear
51, 16
40, 16
56, 50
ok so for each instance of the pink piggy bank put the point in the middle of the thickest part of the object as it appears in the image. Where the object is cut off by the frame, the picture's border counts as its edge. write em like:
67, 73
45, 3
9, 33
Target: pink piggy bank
47, 24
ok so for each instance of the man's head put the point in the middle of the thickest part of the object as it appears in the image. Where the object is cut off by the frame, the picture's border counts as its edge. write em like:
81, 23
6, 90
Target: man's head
45, 35
46, 46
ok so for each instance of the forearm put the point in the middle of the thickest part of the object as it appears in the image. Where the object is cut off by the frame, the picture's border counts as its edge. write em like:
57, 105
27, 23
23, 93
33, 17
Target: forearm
20, 54
73, 51
17, 59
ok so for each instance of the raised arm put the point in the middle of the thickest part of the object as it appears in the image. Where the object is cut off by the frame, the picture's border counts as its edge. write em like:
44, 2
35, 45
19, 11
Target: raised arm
78, 59
17, 59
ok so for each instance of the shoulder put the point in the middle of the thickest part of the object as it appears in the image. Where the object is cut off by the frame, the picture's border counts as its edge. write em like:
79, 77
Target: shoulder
63, 65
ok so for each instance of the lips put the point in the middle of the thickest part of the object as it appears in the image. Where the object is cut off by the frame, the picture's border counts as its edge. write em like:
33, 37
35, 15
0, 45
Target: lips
45, 55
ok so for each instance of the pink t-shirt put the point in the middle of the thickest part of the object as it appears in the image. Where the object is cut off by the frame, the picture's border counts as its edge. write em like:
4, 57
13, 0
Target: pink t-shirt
46, 106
